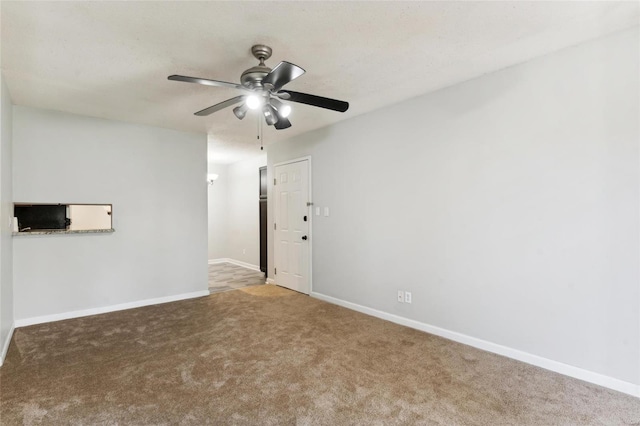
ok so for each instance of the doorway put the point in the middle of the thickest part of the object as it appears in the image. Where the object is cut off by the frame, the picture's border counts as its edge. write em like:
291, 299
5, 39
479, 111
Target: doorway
236, 204
292, 225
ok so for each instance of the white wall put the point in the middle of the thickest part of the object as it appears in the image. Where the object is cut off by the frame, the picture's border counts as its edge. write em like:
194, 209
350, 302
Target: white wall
234, 216
508, 205
6, 214
244, 213
218, 230
155, 179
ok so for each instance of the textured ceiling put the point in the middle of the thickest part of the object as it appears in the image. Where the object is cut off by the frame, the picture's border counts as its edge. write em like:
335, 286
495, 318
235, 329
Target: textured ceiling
112, 59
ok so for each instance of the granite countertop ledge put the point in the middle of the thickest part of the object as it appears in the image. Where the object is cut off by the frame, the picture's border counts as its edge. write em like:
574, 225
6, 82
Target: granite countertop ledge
63, 231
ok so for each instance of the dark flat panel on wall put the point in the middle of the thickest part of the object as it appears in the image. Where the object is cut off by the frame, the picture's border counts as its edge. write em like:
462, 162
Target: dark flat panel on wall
41, 216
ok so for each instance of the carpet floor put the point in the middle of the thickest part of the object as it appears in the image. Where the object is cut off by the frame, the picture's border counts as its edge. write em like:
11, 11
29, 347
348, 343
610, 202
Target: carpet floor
267, 356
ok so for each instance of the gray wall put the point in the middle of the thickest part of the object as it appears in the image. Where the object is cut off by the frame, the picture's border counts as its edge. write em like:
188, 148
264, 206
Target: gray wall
155, 179
6, 214
244, 212
508, 205
218, 214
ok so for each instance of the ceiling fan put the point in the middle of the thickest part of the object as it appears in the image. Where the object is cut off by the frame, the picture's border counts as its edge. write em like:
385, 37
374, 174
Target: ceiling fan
263, 90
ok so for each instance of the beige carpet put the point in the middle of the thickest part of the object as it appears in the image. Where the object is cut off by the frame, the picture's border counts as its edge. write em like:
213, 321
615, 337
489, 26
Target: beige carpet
267, 356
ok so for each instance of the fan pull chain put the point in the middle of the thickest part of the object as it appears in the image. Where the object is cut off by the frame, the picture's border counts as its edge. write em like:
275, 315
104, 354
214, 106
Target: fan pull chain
260, 136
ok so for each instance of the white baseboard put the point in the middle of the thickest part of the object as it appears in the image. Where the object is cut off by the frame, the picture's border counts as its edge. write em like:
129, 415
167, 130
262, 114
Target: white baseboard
7, 342
113, 308
235, 262
538, 361
245, 264
270, 281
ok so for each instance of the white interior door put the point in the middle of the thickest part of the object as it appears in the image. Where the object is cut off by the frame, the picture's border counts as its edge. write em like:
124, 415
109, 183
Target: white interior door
291, 233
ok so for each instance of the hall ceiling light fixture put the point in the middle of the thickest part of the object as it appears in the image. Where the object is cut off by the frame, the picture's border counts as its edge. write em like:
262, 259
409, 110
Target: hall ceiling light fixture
212, 178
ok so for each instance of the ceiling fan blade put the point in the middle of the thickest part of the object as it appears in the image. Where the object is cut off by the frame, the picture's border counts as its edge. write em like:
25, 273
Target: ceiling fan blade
221, 105
318, 101
282, 74
207, 82
282, 123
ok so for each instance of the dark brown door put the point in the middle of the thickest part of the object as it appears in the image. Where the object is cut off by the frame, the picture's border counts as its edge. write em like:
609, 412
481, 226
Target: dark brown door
263, 219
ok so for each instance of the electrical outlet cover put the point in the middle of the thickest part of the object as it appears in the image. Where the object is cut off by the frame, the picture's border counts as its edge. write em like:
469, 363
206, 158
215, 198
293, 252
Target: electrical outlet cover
400, 296
407, 297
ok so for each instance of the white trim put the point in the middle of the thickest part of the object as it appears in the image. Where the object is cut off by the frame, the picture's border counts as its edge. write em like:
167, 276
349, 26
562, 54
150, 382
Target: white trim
244, 264
270, 281
310, 213
113, 308
295, 160
234, 262
217, 261
7, 342
548, 364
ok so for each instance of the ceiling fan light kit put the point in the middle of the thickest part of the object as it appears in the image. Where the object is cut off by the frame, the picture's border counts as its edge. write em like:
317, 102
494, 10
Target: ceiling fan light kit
254, 102
270, 114
241, 111
283, 109
263, 90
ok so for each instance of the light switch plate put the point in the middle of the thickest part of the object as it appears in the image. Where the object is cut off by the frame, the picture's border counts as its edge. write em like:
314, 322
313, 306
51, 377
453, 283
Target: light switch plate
317, 211
326, 211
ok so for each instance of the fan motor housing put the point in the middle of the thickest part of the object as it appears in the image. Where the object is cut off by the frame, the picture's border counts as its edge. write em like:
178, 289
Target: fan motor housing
254, 75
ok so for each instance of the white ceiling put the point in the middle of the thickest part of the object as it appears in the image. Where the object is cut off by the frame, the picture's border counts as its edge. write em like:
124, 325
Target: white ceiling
112, 59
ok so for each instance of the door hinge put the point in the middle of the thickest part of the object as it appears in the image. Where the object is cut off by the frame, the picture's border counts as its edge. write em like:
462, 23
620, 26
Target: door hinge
274, 181
274, 226
275, 271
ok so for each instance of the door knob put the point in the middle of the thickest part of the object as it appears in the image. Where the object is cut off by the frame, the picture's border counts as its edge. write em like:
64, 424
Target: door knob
304, 237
